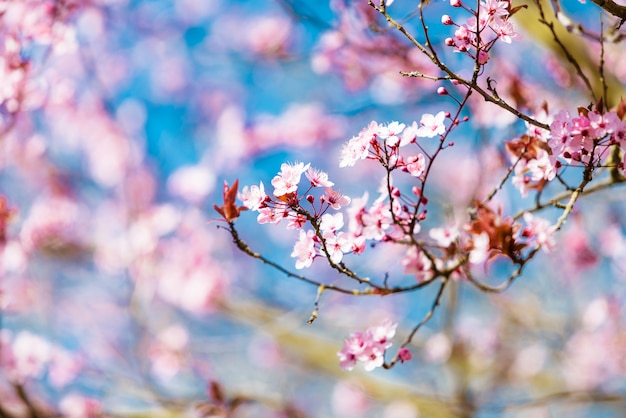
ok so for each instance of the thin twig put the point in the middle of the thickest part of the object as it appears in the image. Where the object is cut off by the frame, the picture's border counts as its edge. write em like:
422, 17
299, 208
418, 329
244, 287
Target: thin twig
429, 315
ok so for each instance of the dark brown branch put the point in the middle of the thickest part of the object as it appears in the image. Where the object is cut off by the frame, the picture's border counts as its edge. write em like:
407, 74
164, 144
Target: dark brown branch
613, 8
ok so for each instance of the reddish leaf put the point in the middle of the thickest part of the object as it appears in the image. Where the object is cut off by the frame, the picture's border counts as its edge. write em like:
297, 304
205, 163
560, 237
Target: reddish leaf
229, 210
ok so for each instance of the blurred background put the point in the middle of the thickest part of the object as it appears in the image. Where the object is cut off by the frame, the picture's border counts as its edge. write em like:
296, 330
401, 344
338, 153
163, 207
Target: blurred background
121, 295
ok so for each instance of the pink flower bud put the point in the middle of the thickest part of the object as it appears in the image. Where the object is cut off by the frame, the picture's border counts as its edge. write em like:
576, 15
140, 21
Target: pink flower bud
450, 42
404, 354
442, 91
483, 57
456, 3
446, 20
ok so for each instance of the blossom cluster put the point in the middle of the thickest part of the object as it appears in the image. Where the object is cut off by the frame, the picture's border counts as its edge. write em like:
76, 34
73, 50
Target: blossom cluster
378, 222
585, 139
370, 346
286, 203
376, 138
489, 23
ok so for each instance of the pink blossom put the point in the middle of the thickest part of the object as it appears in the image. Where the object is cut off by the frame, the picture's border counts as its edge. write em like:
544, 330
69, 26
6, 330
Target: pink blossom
304, 249
337, 245
431, 126
272, 215
520, 180
253, 197
335, 199
543, 167
353, 349
495, 9
331, 223
404, 354
369, 347
483, 57
540, 231
381, 335
416, 165
415, 262
409, 134
391, 133
374, 359
287, 180
296, 221
505, 31
358, 147
559, 131
318, 178
376, 221
444, 236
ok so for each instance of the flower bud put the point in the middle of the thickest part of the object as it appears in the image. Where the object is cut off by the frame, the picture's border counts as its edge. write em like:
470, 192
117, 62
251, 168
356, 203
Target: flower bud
446, 20
483, 57
456, 3
442, 91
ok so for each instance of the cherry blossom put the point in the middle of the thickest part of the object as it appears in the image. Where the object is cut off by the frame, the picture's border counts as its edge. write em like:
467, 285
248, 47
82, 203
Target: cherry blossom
369, 347
337, 244
416, 165
288, 179
253, 197
304, 249
331, 223
431, 125
358, 147
540, 231
391, 133
335, 199
318, 178
417, 263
